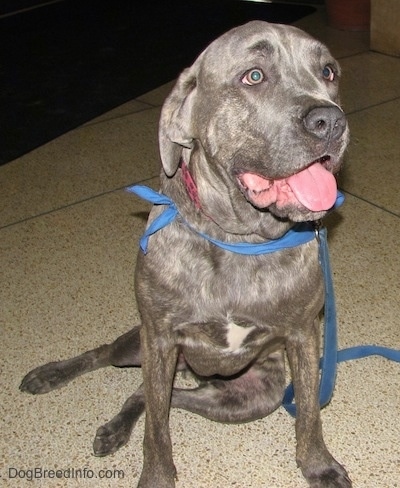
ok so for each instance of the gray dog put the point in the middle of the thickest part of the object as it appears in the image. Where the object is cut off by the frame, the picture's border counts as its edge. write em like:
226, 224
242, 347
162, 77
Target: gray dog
250, 139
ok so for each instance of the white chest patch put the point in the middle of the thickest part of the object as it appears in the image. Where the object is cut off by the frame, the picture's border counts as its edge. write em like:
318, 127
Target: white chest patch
235, 335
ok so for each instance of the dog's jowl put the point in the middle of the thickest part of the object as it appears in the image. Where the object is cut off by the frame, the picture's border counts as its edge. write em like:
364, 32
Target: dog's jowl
250, 140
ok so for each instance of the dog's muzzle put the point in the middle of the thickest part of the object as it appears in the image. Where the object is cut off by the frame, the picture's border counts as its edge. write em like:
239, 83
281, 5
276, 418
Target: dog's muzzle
314, 188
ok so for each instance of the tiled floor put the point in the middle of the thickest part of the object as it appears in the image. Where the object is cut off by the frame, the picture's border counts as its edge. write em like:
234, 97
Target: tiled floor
68, 241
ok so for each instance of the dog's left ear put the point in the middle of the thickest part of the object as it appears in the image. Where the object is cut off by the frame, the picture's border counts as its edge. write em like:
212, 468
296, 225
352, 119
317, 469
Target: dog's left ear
176, 122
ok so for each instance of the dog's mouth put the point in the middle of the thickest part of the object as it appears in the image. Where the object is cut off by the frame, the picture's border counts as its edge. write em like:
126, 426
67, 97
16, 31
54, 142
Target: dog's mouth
314, 188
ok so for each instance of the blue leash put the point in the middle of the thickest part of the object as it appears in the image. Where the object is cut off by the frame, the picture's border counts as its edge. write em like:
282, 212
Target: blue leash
299, 234
328, 362
331, 356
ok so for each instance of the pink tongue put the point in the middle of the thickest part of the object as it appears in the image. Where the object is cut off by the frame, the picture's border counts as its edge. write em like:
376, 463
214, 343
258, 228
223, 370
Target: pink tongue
314, 187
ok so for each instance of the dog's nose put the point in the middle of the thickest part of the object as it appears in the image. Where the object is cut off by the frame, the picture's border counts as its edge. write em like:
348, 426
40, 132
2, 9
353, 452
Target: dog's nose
326, 123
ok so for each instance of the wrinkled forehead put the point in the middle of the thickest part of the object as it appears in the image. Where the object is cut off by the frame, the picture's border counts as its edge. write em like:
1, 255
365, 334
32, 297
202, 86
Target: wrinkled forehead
281, 43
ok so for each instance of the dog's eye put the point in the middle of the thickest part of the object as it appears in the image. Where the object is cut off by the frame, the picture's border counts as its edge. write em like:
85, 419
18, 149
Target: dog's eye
253, 77
328, 73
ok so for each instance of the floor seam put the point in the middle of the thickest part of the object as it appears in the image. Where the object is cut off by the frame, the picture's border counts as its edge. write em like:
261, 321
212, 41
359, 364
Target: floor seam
359, 110
121, 116
349, 56
72, 204
376, 205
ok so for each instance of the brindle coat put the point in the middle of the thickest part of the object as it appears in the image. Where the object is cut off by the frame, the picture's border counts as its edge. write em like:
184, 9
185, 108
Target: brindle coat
260, 100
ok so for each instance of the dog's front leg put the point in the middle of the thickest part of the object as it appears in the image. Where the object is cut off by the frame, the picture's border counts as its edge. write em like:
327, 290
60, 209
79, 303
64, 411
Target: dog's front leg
159, 357
318, 466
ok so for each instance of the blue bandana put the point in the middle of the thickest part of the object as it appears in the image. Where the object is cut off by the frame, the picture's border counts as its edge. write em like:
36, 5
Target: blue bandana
299, 234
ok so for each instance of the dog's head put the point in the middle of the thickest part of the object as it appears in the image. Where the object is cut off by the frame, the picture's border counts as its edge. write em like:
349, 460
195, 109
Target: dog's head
260, 108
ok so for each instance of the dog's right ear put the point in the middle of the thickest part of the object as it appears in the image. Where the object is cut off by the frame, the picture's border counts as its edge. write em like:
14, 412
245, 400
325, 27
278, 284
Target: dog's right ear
176, 123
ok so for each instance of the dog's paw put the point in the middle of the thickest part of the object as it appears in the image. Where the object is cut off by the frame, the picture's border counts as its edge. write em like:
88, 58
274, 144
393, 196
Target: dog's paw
44, 379
332, 477
111, 436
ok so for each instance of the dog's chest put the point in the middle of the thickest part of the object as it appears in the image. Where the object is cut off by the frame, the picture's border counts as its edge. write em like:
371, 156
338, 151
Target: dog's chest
206, 284
236, 335
260, 291
224, 310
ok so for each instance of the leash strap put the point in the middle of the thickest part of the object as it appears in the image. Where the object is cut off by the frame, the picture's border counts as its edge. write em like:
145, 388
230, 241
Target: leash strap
328, 362
331, 356
359, 352
298, 235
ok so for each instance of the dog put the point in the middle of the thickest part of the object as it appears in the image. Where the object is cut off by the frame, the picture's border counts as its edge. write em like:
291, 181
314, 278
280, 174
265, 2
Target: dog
250, 138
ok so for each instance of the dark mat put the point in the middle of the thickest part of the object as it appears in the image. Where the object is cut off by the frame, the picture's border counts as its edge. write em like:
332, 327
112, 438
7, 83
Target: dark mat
66, 63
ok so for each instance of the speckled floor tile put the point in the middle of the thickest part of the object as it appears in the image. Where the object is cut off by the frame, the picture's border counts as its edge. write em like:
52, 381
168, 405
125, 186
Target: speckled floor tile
372, 164
67, 285
80, 164
369, 79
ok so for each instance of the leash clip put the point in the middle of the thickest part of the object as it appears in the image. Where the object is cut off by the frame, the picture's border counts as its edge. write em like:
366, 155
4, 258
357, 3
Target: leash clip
317, 230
